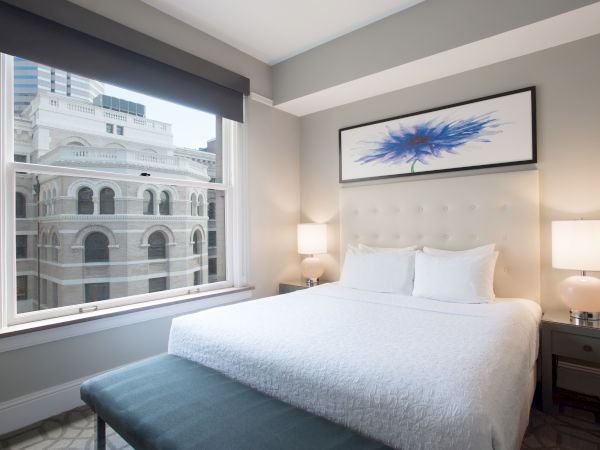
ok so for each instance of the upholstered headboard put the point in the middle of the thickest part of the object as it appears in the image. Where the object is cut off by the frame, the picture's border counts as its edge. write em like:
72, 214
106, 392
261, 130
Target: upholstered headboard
454, 213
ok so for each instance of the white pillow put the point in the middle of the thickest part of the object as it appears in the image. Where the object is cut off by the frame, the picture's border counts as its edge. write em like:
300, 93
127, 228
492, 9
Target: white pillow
461, 279
391, 272
483, 250
368, 248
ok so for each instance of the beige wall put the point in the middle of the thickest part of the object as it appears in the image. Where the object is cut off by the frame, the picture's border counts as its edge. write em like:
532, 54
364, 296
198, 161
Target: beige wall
274, 196
568, 138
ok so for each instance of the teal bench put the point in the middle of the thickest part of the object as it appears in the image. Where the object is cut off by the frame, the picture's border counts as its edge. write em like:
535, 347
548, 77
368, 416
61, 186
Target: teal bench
169, 403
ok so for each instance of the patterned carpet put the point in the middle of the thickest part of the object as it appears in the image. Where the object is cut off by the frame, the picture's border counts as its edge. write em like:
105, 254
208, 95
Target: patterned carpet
74, 430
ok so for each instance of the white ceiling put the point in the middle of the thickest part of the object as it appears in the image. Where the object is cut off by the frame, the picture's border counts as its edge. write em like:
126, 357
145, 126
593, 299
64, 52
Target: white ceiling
274, 30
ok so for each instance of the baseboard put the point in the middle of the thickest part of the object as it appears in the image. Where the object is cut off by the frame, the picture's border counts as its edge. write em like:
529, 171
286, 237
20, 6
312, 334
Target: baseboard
31, 408
28, 409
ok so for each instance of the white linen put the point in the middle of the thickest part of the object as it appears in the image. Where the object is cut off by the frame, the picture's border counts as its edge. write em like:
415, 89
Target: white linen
391, 272
483, 250
462, 279
410, 372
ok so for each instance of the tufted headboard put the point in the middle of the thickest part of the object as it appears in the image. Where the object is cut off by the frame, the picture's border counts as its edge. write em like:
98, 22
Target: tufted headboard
454, 213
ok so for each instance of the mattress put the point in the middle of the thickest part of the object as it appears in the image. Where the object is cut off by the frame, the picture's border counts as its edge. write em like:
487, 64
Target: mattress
407, 371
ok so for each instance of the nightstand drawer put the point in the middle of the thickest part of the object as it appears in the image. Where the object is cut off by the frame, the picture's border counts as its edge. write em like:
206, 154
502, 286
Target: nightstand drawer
576, 346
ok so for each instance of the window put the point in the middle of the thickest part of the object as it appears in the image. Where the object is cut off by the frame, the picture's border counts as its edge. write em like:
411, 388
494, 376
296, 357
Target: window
107, 201
22, 287
85, 201
148, 203
96, 248
20, 206
197, 242
95, 292
21, 244
200, 209
157, 284
193, 205
163, 206
212, 266
55, 247
20, 158
212, 238
157, 246
107, 234
211, 211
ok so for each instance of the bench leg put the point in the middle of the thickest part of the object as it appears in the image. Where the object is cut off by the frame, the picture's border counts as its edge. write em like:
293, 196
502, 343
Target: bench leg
100, 433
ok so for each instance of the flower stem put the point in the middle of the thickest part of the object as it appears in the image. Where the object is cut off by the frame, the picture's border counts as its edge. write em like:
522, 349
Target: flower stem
412, 166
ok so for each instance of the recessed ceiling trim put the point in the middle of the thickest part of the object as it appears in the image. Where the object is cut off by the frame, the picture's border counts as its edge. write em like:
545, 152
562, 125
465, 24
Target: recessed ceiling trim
547, 33
275, 30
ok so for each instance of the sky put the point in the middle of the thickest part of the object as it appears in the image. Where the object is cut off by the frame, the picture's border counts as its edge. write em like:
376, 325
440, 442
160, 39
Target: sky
191, 127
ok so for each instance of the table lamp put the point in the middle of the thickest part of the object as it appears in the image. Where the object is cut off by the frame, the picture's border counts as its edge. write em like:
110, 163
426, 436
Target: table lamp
576, 246
312, 240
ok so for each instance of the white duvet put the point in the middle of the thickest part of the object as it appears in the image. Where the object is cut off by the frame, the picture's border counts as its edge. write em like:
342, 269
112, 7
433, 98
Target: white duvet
410, 372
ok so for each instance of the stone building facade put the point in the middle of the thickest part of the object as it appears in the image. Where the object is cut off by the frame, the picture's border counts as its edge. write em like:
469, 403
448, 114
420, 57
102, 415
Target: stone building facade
86, 239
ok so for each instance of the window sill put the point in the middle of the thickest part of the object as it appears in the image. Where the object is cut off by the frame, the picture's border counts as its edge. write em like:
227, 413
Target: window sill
42, 331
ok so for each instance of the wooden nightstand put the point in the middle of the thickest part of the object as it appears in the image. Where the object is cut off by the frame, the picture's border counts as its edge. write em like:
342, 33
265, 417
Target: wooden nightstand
291, 286
575, 344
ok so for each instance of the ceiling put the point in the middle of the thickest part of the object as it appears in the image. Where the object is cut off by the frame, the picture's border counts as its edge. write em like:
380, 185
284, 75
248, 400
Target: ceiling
274, 30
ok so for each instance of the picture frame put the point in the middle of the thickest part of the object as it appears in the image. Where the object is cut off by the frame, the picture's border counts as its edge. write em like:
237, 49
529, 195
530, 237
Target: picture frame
493, 131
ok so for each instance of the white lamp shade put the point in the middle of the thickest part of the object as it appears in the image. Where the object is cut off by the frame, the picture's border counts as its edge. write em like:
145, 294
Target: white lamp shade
312, 238
576, 244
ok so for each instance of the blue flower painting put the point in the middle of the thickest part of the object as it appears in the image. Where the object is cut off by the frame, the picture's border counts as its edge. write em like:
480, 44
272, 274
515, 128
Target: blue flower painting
493, 131
430, 139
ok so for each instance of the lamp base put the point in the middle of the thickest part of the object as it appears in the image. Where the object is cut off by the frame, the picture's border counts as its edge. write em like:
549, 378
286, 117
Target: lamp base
310, 282
585, 315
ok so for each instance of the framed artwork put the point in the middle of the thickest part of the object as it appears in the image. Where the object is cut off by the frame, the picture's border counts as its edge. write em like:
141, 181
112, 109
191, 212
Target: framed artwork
493, 131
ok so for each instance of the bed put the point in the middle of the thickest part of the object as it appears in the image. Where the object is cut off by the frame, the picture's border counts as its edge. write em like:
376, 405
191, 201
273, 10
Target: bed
411, 372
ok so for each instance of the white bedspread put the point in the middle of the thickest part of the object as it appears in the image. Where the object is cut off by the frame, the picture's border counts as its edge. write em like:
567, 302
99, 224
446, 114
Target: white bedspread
410, 372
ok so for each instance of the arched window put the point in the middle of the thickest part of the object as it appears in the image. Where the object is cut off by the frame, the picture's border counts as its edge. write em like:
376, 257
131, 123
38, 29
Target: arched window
20, 206
148, 203
197, 242
96, 247
55, 247
200, 208
211, 211
85, 201
44, 201
163, 206
193, 207
157, 246
107, 201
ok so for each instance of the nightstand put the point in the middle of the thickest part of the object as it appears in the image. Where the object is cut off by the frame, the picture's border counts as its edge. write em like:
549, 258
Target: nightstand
565, 344
290, 286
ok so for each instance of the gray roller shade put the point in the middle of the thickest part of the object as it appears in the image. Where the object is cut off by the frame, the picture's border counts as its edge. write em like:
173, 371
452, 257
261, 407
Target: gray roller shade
139, 62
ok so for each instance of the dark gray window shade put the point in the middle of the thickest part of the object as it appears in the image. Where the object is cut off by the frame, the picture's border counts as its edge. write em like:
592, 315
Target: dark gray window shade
139, 66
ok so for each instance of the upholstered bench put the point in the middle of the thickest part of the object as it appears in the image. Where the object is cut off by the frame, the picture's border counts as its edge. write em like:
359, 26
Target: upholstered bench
167, 402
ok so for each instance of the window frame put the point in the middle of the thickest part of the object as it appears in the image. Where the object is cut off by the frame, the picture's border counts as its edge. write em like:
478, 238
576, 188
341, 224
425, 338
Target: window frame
236, 214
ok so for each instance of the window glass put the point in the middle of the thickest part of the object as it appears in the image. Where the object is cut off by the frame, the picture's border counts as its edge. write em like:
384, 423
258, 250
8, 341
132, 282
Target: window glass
21, 206
85, 201
97, 291
164, 206
157, 245
103, 237
107, 201
157, 284
96, 247
148, 206
21, 246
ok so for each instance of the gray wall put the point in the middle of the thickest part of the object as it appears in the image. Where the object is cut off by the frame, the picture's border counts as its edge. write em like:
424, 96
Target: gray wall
568, 138
274, 195
423, 30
